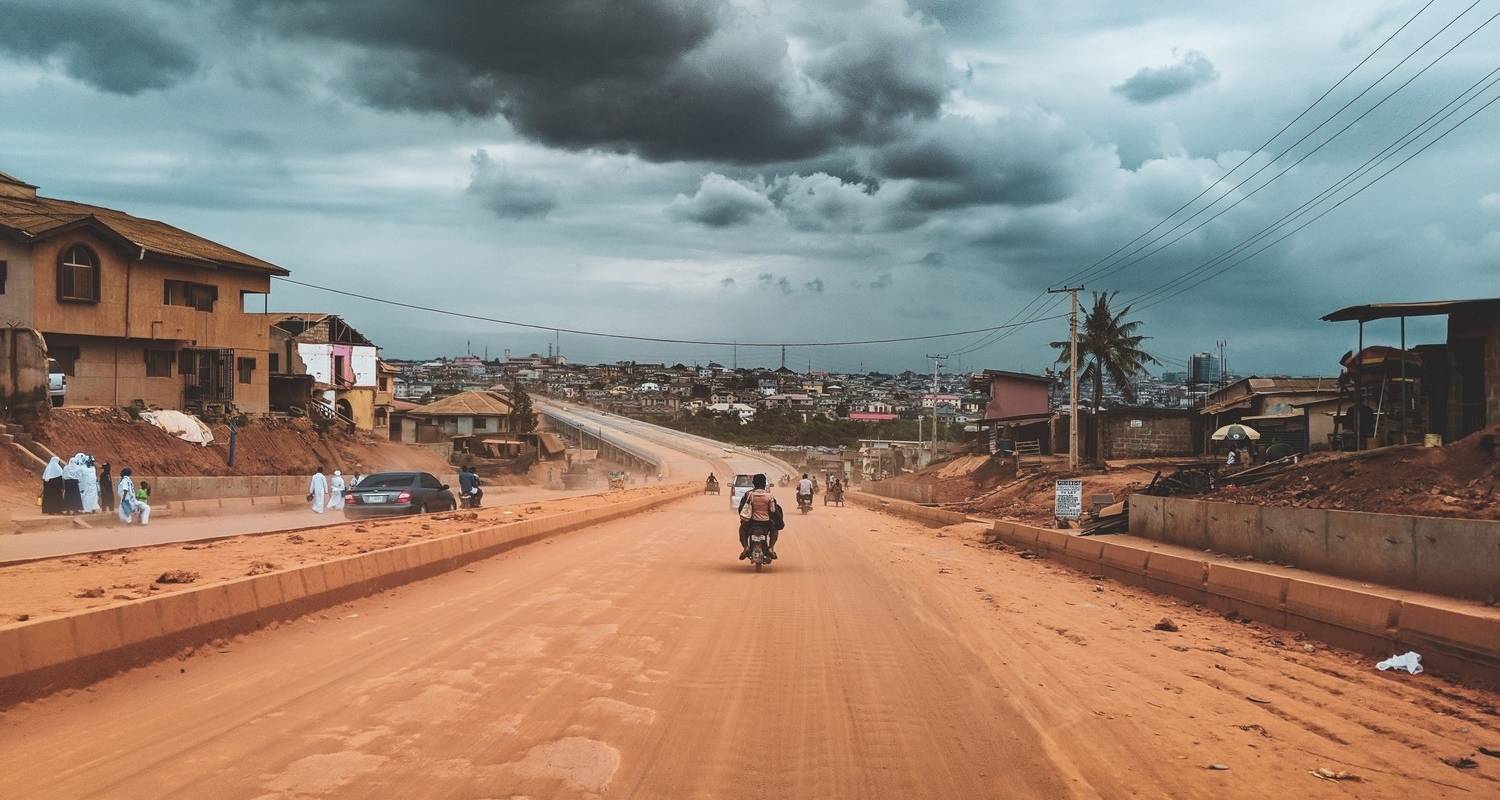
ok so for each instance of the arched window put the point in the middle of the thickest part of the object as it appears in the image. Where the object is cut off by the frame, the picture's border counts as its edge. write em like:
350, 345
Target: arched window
78, 275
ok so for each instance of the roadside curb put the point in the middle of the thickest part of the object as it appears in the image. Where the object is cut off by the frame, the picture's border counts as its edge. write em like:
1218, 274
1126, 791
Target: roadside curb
76, 649
1455, 638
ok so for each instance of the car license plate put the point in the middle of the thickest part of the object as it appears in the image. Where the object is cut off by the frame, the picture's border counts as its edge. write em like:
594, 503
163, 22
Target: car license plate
375, 498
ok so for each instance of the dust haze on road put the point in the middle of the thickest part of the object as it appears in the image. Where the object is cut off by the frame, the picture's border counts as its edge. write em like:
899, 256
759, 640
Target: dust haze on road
877, 659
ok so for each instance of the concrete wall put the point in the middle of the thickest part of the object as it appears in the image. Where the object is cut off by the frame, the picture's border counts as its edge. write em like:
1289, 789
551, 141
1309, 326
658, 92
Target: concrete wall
171, 489
1455, 557
23, 372
910, 492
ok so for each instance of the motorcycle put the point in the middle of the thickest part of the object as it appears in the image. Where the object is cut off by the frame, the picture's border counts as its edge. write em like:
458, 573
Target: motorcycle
760, 549
804, 503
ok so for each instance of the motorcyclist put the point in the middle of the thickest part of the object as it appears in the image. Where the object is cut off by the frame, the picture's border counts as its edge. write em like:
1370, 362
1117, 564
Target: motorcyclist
805, 488
764, 513
468, 486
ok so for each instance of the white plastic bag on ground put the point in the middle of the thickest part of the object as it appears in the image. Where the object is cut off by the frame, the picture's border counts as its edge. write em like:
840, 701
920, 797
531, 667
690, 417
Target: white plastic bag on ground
1410, 661
184, 426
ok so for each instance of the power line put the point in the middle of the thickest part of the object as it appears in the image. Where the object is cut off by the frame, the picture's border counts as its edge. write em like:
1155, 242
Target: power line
1389, 151
1324, 213
1083, 274
658, 339
996, 337
1135, 258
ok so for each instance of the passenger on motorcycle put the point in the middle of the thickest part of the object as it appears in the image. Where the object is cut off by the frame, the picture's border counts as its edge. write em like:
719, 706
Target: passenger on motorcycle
763, 512
805, 488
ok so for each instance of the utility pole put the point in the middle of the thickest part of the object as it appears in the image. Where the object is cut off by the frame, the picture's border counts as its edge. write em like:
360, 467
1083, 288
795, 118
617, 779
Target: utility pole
783, 356
937, 361
1223, 370
1072, 375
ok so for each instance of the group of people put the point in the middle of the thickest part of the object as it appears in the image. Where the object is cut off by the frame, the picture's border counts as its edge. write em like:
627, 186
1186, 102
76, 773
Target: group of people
327, 494
77, 488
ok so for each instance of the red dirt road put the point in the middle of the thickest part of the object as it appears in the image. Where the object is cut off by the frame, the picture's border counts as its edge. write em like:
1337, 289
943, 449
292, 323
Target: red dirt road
877, 659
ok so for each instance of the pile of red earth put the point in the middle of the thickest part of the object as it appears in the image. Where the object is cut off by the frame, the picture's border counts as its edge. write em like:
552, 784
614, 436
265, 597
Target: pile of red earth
1457, 480
962, 477
266, 446
1031, 498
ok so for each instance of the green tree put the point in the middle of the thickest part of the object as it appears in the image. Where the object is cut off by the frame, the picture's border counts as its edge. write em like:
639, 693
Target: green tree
522, 418
1107, 345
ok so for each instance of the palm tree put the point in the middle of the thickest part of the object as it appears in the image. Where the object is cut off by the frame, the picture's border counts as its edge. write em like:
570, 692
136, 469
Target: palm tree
1107, 345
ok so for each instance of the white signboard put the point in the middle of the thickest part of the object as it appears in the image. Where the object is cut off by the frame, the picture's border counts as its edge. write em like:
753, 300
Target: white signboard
1069, 499
1135, 423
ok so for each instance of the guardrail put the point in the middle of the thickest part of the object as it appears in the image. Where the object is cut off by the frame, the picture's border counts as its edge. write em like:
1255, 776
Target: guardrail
630, 452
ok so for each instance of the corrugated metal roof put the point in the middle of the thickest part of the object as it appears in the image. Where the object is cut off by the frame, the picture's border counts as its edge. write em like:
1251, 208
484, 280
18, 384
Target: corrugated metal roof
1370, 311
465, 404
40, 217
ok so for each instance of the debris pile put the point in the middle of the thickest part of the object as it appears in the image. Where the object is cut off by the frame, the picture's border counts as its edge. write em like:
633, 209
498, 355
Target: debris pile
1457, 480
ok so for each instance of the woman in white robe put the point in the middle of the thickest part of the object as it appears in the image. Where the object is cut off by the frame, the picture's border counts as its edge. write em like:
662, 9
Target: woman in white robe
126, 491
336, 489
88, 485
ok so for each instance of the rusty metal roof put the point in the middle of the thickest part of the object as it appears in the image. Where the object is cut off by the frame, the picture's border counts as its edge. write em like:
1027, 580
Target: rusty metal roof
465, 404
1428, 308
42, 217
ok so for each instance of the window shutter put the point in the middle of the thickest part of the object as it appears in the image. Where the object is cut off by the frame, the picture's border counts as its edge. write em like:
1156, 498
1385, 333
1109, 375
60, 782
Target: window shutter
98, 268
61, 279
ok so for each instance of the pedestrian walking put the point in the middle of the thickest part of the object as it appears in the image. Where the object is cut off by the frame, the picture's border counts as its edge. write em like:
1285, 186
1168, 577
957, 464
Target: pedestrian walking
336, 488
317, 491
106, 491
132, 503
52, 487
88, 485
72, 478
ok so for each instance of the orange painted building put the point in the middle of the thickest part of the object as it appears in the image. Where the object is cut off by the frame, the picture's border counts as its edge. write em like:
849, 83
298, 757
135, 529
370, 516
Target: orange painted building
134, 311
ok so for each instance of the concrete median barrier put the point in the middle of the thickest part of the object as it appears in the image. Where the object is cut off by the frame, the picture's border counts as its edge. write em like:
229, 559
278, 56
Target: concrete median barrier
1454, 638
42, 656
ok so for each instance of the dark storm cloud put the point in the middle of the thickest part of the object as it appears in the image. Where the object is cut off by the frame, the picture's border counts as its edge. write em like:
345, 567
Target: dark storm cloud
933, 259
814, 285
1151, 84
721, 203
956, 163
882, 281
110, 49
506, 194
727, 283
666, 79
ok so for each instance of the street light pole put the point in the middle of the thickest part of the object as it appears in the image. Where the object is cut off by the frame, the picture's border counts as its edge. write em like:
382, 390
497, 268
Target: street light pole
1072, 375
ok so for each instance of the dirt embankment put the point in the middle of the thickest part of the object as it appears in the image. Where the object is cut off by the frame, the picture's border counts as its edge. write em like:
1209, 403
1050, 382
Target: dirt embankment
264, 447
1457, 480
68, 583
989, 486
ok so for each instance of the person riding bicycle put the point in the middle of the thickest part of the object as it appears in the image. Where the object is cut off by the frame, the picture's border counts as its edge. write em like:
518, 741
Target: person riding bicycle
763, 513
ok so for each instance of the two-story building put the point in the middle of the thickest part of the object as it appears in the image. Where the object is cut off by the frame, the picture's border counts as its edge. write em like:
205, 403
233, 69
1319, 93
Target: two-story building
134, 311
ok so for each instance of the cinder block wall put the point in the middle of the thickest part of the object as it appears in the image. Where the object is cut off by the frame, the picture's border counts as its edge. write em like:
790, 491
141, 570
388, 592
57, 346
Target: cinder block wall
1157, 434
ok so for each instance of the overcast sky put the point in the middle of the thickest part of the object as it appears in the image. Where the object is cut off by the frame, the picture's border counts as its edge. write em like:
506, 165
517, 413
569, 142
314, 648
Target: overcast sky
753, 170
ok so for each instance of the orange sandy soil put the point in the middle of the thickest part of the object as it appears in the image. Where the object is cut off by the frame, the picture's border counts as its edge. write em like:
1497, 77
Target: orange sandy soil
987, 486
1461, 479
51, 586
264, 447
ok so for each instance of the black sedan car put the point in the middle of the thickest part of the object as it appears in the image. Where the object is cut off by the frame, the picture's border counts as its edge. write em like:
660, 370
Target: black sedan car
389, 493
